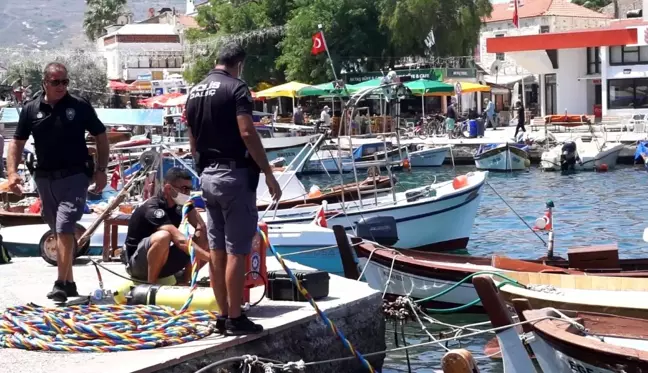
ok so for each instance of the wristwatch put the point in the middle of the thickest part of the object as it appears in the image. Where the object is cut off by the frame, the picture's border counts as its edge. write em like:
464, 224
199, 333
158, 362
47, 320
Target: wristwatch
101, 169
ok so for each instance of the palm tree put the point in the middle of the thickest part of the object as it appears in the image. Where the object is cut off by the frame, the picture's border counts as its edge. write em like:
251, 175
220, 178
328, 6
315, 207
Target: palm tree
100, 14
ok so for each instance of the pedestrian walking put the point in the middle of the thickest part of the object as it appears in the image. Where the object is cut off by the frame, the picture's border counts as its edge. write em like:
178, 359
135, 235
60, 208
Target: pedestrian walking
58, 122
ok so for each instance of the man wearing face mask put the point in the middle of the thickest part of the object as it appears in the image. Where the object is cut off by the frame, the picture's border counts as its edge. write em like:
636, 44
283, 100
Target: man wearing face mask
155, 247
229, 156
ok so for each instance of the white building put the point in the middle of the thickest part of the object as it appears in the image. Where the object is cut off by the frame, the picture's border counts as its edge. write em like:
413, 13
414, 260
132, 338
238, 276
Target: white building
535, 17
601, 71
136, 50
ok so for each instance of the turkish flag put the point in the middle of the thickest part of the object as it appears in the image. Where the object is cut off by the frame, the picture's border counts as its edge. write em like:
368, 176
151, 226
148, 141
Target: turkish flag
320, 216
114, 178
318, 44
516, 19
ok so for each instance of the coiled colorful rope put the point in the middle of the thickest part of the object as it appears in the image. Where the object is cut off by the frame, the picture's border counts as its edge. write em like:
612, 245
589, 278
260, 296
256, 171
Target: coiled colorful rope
312, 302
101, 328
107, 328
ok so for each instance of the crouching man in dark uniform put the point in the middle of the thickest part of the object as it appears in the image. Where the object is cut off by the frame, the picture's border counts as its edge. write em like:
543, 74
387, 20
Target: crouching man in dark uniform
229, 154
58, 122
155, 247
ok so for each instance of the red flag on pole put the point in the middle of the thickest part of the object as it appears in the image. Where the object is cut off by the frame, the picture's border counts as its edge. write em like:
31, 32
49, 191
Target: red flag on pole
516, 19
114, 178
318, 44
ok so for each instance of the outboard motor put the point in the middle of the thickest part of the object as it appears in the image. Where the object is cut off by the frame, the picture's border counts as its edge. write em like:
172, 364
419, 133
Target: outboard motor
379, 229
568, 156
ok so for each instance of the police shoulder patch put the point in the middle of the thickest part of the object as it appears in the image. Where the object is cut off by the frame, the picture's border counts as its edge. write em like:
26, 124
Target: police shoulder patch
248, 94
70, 113
159, 213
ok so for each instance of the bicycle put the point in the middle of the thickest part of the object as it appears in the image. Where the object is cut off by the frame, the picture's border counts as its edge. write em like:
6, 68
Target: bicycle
460, 130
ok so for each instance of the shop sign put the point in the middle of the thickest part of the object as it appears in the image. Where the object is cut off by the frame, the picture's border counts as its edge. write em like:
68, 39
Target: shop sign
461, 73
431, 74
147, 76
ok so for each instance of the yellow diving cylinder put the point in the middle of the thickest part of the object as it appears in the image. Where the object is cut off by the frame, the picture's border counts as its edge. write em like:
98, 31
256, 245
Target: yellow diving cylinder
124, 289
173, 296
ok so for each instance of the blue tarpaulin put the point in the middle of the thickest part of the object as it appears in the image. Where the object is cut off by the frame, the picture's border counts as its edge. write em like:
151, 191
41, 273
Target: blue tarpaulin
109, 117
9, 115
642, 148
131, 117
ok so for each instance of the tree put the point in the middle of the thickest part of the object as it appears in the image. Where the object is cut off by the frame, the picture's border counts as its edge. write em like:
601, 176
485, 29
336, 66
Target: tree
456, 25
361, 34
100, 14
353, 35
245, 21
87, 76
593, 4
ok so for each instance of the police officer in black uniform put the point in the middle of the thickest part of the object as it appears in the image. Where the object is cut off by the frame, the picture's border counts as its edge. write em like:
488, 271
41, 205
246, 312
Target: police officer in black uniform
58, 122
155, 247
229, 155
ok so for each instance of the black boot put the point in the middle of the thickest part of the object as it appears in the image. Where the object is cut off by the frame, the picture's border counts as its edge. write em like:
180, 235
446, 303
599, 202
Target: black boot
71, 289
220, 323
241, 326
58, 293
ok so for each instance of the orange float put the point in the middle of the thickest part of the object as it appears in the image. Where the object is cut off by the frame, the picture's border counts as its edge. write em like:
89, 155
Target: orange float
406, 164
460, 181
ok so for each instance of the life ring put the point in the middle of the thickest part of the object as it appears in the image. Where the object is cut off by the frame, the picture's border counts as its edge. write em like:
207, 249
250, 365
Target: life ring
47, 245
129, 143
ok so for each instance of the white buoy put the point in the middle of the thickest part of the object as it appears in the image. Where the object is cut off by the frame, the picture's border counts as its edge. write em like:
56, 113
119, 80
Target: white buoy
541, 223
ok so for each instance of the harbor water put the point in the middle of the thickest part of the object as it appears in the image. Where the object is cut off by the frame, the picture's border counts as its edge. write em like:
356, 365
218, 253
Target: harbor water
591, 209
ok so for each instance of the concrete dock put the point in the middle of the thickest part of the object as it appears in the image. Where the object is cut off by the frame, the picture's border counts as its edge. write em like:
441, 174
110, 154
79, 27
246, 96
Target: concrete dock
292, 332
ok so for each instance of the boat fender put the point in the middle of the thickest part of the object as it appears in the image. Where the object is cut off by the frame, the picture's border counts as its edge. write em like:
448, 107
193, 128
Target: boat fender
314, 192
406, 164
460, 182
379, 229
35, 208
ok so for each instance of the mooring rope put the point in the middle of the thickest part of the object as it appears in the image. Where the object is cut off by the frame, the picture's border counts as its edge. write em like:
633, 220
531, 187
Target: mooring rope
312, 302
108, 328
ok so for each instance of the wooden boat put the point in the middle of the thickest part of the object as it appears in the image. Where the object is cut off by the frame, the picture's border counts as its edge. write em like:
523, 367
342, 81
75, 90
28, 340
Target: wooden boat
502, 157
622, 296
564, 341
423, 274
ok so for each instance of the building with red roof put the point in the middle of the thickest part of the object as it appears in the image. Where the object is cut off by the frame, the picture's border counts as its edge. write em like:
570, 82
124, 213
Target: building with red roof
536, 17
585, 70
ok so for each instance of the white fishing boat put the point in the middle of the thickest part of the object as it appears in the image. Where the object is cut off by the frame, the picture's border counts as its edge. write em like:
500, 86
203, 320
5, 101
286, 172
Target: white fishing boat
329, 159
334, 158
25, 240
285, 147
502, 157
428, 156
579, 155
432, 217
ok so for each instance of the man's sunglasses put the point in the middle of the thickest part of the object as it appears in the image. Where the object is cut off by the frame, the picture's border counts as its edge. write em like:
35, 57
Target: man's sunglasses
58, 82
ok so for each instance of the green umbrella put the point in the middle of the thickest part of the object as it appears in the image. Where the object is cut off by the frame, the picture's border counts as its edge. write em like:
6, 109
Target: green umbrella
425, 86
373, 83
317, 90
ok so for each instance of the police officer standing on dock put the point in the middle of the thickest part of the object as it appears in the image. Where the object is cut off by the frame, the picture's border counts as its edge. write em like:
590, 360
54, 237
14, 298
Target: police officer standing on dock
58, 122
229, 155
